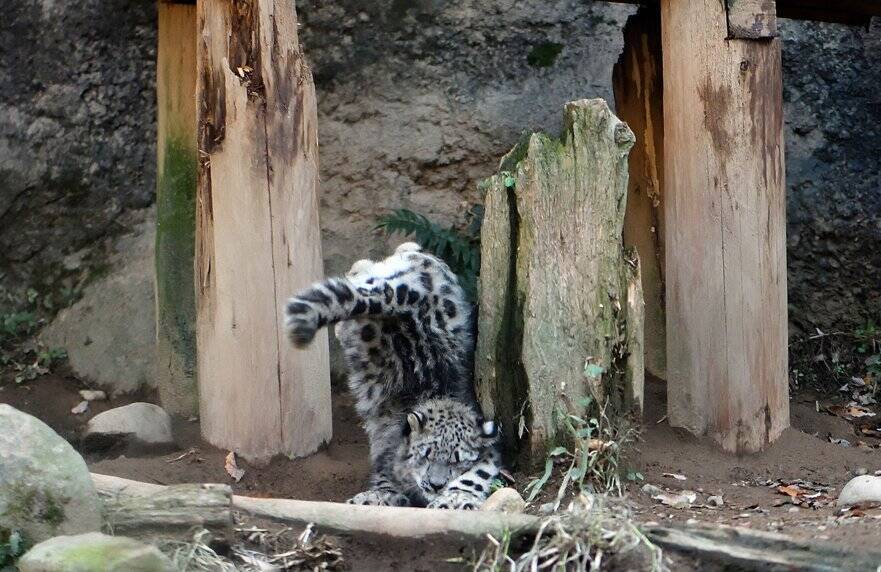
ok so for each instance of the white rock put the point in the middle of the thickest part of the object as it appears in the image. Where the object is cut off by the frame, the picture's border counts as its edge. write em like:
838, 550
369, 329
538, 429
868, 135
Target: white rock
861, 489
80, 408
45, 486
679, 501
504, 500
651, 490
143, 422
93, 552
93, 394
715, 500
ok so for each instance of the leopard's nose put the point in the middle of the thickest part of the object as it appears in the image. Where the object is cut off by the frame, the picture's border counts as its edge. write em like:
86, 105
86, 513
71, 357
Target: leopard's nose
436, 486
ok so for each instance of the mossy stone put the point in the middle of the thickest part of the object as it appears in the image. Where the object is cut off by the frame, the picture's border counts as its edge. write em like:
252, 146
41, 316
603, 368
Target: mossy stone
45, 486
94, 552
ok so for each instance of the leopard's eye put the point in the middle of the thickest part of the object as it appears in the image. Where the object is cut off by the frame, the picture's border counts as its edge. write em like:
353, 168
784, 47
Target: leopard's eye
426, 452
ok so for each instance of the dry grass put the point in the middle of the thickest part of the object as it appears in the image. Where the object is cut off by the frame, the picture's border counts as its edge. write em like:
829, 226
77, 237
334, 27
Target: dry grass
587, 536
257, 550
593, 457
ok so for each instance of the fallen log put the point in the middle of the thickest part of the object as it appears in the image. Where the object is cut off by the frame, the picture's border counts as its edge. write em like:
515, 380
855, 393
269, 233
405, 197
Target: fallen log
157, 512
343, 518
748, 549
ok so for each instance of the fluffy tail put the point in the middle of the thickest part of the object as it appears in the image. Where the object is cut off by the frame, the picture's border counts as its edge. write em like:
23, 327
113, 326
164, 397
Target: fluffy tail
338, 299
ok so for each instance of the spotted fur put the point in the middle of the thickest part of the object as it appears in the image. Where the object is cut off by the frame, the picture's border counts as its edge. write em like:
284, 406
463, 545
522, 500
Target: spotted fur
405, 328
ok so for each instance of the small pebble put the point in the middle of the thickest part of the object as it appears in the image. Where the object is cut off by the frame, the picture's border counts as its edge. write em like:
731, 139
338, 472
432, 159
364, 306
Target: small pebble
93, 395
81, 408
546, 508
715, 500
651, 490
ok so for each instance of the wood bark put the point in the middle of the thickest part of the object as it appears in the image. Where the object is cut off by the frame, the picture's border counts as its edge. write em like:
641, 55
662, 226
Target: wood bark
560, 302
745, 549
176, 209
258, 235
725, 229
167, 512
344, 518
637, 83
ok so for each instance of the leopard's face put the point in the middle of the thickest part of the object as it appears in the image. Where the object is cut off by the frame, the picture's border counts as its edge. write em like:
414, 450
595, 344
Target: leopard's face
443, 440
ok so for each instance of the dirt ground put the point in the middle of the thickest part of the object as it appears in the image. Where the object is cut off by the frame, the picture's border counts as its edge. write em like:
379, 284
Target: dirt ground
341, 468
798, 454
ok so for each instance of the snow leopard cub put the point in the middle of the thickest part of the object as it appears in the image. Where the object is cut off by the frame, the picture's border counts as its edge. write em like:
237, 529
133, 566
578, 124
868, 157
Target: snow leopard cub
405, 328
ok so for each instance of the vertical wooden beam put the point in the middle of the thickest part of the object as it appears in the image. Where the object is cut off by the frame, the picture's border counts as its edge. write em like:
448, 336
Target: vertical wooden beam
725, 229
257, 235
636, 81
176, 208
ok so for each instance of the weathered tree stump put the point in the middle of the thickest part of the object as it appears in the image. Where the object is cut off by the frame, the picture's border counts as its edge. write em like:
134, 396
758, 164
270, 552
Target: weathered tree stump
560, 298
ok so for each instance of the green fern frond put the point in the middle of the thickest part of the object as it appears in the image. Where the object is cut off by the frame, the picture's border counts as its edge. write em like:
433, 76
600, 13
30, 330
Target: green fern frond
461, 250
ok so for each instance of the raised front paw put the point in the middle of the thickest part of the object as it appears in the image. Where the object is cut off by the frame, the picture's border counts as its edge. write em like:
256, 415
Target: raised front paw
379, 498
300, 322
459, 500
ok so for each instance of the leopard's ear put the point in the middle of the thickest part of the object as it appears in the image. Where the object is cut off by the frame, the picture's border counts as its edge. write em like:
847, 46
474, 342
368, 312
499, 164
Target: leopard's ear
415, 422
489, 429
408, 247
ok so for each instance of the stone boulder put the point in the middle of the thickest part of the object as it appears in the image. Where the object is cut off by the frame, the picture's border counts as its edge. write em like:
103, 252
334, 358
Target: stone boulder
110, 333
137, 423
94, 552
45, 486
859, 490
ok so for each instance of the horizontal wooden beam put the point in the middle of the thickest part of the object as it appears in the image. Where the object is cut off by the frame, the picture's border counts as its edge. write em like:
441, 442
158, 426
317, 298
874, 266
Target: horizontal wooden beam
853, 12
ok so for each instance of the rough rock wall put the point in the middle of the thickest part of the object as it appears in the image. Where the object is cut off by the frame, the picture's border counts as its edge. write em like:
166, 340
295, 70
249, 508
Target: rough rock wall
832, 110
417, 100
77, 130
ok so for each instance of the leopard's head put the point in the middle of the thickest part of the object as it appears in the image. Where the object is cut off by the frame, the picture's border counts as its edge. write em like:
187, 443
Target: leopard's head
443, 439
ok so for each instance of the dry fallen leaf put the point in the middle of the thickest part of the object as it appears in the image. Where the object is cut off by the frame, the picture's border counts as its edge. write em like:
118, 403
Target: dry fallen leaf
790, 490
232, 469
598, 445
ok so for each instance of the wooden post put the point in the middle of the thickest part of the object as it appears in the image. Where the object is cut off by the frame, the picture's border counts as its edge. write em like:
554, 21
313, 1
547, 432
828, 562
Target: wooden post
560, 298
176, 209
636, 80
725, 228
257, 232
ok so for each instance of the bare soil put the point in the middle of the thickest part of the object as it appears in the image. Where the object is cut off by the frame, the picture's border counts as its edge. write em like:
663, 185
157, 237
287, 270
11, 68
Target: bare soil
341, 469
802, 452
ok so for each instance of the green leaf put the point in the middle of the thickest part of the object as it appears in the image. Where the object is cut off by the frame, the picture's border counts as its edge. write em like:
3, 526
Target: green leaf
537, 485
556, 452
593, 370
510, 182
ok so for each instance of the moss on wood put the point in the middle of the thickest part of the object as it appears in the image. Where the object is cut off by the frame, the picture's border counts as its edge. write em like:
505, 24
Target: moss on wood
559, 313
175, 290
